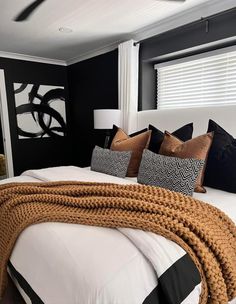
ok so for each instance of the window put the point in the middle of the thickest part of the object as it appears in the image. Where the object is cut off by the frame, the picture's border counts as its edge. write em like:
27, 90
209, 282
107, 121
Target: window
201, 80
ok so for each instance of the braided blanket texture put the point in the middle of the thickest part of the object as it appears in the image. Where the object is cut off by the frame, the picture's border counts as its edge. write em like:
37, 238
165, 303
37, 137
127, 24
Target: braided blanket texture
205, 232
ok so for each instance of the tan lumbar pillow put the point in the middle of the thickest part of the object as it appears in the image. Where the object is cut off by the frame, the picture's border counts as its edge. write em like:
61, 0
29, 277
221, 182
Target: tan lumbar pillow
197, 148
136, 144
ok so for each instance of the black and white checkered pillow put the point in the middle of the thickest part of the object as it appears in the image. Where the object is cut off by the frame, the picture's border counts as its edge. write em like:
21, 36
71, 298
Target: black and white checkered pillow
172, 173
110, 162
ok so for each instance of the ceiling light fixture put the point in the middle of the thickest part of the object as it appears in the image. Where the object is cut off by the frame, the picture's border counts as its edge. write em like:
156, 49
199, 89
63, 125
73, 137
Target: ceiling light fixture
65, 30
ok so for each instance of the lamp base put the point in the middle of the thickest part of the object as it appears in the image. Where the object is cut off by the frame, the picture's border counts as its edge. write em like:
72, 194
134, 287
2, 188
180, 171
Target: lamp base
107, 139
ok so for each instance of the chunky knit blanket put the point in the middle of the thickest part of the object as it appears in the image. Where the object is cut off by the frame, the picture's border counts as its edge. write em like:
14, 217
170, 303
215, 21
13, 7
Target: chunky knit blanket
206, 233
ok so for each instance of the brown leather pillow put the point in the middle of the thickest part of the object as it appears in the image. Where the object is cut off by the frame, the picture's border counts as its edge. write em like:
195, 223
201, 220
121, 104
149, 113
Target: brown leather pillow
136, 144
197, 148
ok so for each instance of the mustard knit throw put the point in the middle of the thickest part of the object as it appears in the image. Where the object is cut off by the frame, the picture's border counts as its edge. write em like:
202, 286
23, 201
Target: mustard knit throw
206, 233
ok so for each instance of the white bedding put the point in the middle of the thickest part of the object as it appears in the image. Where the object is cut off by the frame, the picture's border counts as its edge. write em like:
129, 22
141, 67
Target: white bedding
106, 266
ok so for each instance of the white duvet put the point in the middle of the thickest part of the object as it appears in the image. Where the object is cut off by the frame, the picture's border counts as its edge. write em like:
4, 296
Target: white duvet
76, 264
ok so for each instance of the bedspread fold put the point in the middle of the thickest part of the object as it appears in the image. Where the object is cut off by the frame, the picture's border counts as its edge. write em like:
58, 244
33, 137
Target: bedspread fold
203, 231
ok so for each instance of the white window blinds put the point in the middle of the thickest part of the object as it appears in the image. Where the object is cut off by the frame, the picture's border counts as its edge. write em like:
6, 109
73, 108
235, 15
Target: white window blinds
199, 82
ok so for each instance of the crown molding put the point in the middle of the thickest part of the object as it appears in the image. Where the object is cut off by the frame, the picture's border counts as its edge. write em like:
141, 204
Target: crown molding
94, 53
195, 13
32, 58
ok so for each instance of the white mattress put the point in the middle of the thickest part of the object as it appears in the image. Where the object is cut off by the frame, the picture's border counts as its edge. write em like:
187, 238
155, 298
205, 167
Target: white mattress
112, 267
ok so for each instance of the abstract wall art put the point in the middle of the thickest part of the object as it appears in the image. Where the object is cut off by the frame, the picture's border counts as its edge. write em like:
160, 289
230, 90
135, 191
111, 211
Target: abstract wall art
40, 110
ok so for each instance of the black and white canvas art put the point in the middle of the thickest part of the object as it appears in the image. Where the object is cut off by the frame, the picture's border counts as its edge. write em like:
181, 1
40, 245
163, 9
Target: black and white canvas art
40, 110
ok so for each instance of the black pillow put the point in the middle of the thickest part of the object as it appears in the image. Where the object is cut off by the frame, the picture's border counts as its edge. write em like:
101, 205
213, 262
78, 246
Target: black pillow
220, 170
115, 129
184, 133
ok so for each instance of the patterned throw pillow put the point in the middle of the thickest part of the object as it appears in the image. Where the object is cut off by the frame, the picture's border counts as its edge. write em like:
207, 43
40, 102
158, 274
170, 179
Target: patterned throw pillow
110, 162
172, 173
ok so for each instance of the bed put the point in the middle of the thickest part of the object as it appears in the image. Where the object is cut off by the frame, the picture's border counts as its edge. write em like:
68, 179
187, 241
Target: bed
106, 265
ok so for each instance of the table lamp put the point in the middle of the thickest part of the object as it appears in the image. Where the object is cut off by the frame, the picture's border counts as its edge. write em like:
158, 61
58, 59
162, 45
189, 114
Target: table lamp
105, 119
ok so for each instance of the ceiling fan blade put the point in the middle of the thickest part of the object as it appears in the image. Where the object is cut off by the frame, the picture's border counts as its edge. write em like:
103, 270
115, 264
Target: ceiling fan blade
24, 15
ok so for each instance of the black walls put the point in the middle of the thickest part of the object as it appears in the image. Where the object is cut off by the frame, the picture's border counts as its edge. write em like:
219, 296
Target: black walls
220, 26
35, 153
93, 84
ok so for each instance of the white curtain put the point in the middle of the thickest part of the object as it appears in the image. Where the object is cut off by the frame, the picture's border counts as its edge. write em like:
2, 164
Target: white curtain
128, 84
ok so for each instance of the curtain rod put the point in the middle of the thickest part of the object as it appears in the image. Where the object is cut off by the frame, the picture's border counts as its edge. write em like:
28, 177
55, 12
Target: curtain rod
202, 19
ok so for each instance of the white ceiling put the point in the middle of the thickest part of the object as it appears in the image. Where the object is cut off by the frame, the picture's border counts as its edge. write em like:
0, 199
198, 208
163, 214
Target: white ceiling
95, 23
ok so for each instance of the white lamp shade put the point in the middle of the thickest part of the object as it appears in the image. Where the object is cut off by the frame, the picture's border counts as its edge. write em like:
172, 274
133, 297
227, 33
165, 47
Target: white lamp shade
105, 119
